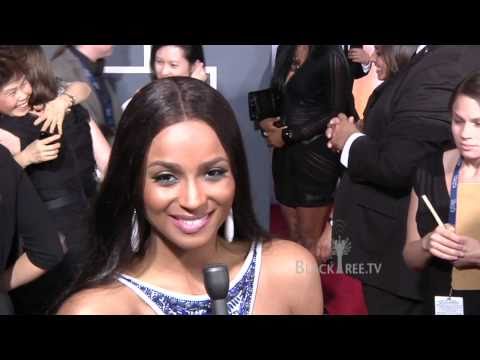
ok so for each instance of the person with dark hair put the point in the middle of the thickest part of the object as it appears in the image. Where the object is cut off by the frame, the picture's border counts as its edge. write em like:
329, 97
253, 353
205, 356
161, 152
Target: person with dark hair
409, 121
22, 214
315, 83
388, 60
431, 248
176, 60
51, 107
61, 169
86, 63
169, 206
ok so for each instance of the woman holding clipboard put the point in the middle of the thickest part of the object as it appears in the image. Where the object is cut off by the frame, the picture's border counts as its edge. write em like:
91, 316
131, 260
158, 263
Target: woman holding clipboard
433, 245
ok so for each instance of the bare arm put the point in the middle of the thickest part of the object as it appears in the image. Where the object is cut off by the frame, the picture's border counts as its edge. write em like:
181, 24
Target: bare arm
22, 272
414, 253
79, 90
442, 243
39, 151
294, 274
307, 297
108, 300
101, 147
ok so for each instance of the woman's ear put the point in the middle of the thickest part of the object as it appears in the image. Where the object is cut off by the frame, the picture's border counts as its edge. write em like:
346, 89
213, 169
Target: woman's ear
194, 67
198, 71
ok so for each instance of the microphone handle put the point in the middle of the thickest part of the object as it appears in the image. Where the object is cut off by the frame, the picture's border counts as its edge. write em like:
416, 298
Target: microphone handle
220, 307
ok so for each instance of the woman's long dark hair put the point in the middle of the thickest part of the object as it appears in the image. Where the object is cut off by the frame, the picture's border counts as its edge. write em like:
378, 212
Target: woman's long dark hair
192, 53
283, 62
158, 105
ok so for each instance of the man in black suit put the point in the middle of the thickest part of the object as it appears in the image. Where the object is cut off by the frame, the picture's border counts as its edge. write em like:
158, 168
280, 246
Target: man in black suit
358, 59
410, 120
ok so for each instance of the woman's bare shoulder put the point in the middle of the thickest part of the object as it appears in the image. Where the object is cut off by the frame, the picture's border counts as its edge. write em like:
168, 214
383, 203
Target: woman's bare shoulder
291, 274
113, 299
286, 259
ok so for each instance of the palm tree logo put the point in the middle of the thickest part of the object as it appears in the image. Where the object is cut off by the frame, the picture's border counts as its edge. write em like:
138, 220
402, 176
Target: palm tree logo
342, 245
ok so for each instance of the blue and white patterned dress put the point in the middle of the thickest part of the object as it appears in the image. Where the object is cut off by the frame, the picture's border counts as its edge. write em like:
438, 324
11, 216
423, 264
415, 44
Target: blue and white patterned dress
240, 299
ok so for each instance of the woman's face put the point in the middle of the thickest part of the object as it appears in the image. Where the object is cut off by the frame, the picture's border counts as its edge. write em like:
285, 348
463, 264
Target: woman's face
14, 97
381, 66
189, 187
170, 61
466, 127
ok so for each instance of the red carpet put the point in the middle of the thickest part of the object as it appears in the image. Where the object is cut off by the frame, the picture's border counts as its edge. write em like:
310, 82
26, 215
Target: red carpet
343, 295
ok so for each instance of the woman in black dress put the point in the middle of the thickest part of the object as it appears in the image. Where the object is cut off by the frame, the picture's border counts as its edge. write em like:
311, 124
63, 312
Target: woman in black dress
435, 249
316, 84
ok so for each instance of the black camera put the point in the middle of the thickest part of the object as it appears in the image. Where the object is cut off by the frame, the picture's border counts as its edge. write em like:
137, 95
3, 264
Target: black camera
264, 104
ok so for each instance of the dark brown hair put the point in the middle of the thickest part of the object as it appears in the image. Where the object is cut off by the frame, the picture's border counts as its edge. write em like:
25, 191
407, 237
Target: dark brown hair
10, 68
469, 86
34, 64
396, 57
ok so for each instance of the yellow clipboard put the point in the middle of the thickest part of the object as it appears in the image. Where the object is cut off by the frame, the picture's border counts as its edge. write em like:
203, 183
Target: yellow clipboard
468, 224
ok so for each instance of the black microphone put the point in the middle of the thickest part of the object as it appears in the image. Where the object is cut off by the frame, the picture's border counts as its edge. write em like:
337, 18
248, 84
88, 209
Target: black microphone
216, 280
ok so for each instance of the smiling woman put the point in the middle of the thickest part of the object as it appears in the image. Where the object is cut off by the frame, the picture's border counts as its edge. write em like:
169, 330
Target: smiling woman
15, 96
187, 192
178, 170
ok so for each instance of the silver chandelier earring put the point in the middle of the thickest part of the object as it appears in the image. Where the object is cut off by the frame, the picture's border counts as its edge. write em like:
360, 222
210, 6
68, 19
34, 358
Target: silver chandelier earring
229, 227
135, 237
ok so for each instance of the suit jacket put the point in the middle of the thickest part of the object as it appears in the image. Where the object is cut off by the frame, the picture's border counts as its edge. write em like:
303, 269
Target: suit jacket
409, 120
356, 69
68, 67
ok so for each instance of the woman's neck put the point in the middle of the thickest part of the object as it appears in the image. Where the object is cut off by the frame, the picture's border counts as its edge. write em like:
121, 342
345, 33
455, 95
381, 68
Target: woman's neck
193, 260
172, 268
471, 168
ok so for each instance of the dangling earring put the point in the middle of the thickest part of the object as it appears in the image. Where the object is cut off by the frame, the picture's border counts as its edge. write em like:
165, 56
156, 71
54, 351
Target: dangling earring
135, 237
229, 227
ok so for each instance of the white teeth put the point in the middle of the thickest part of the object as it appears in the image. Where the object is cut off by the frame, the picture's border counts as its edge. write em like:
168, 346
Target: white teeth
193, 223
191, 226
